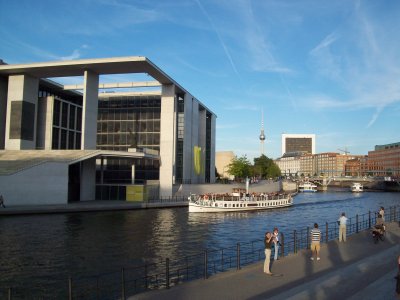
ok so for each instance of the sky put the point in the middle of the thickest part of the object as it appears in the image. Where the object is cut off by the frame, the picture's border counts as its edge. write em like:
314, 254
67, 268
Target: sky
329, 68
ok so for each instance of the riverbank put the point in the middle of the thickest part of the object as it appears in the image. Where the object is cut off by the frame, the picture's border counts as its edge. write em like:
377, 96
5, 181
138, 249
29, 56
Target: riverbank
90, 206
357, 269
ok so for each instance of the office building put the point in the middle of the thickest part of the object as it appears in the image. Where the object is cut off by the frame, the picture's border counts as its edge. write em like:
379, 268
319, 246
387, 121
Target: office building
99, 140
384, 160
298, 143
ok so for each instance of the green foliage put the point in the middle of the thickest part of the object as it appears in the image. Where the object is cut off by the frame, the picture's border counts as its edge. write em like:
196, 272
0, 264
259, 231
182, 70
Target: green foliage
239, 167
266, 167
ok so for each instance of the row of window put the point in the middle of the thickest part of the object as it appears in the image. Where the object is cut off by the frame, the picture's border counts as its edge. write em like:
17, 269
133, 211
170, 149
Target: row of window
65, 139
133, 140
129, 114
260, 204
128, 126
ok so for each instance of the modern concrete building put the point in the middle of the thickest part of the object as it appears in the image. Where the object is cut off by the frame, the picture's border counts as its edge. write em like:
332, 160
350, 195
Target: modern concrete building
99, 145
298, 143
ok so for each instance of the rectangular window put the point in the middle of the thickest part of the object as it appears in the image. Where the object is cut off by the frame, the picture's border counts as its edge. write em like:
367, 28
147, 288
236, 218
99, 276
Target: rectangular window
72, 110
64, 115
22, 120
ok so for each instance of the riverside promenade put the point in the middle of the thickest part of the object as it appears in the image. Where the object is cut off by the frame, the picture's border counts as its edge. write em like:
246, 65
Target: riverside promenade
356, 270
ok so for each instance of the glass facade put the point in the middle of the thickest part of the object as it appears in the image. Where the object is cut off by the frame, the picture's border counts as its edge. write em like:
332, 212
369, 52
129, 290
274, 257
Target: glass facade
208, 149
179, 141
67, 125
129, 122
298, 144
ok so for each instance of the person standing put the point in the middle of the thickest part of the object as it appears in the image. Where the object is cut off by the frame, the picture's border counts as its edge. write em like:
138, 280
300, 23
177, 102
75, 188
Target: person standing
268, 243
276, 242
342, 227
382, 213
315, 241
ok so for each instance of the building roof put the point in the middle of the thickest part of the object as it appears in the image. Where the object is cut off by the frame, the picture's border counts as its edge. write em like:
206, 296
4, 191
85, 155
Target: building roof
101, 66
66, 68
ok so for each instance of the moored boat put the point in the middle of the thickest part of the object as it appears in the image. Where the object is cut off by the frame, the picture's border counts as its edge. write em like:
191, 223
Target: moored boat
307, 187
237, 202
357, 187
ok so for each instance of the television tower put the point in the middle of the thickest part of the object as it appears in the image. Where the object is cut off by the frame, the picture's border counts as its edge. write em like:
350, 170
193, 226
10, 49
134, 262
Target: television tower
262, 135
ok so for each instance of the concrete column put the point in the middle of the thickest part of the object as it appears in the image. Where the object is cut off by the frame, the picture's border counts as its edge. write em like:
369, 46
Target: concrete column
45, 123
88, 180
167, 140
213, 139
3, 110
194, 138
21, 116
188, 139
89, 110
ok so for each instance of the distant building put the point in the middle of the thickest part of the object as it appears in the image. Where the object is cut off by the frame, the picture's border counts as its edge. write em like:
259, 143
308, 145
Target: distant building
222, 160
384, 160
289, 163
298, 142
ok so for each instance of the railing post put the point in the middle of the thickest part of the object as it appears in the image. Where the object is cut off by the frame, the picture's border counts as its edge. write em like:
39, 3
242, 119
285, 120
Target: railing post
356, 223
238, 256
9, 293
282, 245
326, 232
394, 214
70, 288
123, 284
222, 260
369, 219
97, 288
294, 242
167, 273
205, 264
146, 283
308, 238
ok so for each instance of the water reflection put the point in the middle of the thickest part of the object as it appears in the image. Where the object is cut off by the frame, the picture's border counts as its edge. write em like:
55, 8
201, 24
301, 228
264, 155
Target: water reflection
40, 250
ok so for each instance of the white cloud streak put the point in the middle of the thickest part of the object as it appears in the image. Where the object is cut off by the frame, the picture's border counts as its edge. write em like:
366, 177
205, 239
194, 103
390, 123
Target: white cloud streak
368, 71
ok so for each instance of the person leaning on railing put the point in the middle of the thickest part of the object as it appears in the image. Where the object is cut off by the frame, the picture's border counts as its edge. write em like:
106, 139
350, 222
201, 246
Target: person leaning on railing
379, 225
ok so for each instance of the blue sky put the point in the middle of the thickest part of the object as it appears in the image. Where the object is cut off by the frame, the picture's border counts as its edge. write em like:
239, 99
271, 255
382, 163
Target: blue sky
331, 68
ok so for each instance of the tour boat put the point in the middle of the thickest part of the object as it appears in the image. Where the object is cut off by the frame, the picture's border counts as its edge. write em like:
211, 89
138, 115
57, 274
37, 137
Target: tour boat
357, 187
237, 202
307, 187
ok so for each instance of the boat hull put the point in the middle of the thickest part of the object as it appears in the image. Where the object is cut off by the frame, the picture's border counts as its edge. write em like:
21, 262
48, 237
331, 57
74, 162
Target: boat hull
229, 206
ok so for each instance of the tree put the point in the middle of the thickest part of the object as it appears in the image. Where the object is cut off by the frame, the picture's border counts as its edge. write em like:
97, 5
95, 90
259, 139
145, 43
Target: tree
266, 167
239, 167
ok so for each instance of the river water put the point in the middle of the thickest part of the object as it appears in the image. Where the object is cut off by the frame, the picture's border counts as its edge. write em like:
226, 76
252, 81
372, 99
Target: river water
39, 250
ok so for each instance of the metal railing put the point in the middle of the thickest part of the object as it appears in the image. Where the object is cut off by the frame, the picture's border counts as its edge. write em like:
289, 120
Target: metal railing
165, 273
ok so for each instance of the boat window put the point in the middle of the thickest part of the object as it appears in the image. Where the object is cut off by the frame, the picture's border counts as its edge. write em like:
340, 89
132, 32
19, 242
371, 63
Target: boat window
225, 205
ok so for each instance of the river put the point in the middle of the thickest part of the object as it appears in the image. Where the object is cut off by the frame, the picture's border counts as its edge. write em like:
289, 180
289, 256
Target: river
39, 250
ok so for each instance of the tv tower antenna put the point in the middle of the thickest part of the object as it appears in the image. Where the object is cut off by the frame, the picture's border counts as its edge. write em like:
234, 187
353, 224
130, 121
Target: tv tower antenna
262, 135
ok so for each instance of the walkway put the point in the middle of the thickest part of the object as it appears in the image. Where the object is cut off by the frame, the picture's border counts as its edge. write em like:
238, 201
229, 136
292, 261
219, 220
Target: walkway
357, 270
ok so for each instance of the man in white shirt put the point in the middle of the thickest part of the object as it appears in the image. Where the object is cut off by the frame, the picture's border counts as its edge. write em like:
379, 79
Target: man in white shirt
342, 227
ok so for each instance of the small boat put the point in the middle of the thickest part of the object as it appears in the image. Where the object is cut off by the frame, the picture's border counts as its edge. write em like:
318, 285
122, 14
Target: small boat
357, 187
237, 202
307, 187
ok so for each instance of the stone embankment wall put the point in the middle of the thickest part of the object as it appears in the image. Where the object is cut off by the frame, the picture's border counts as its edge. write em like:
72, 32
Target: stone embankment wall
289, 186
